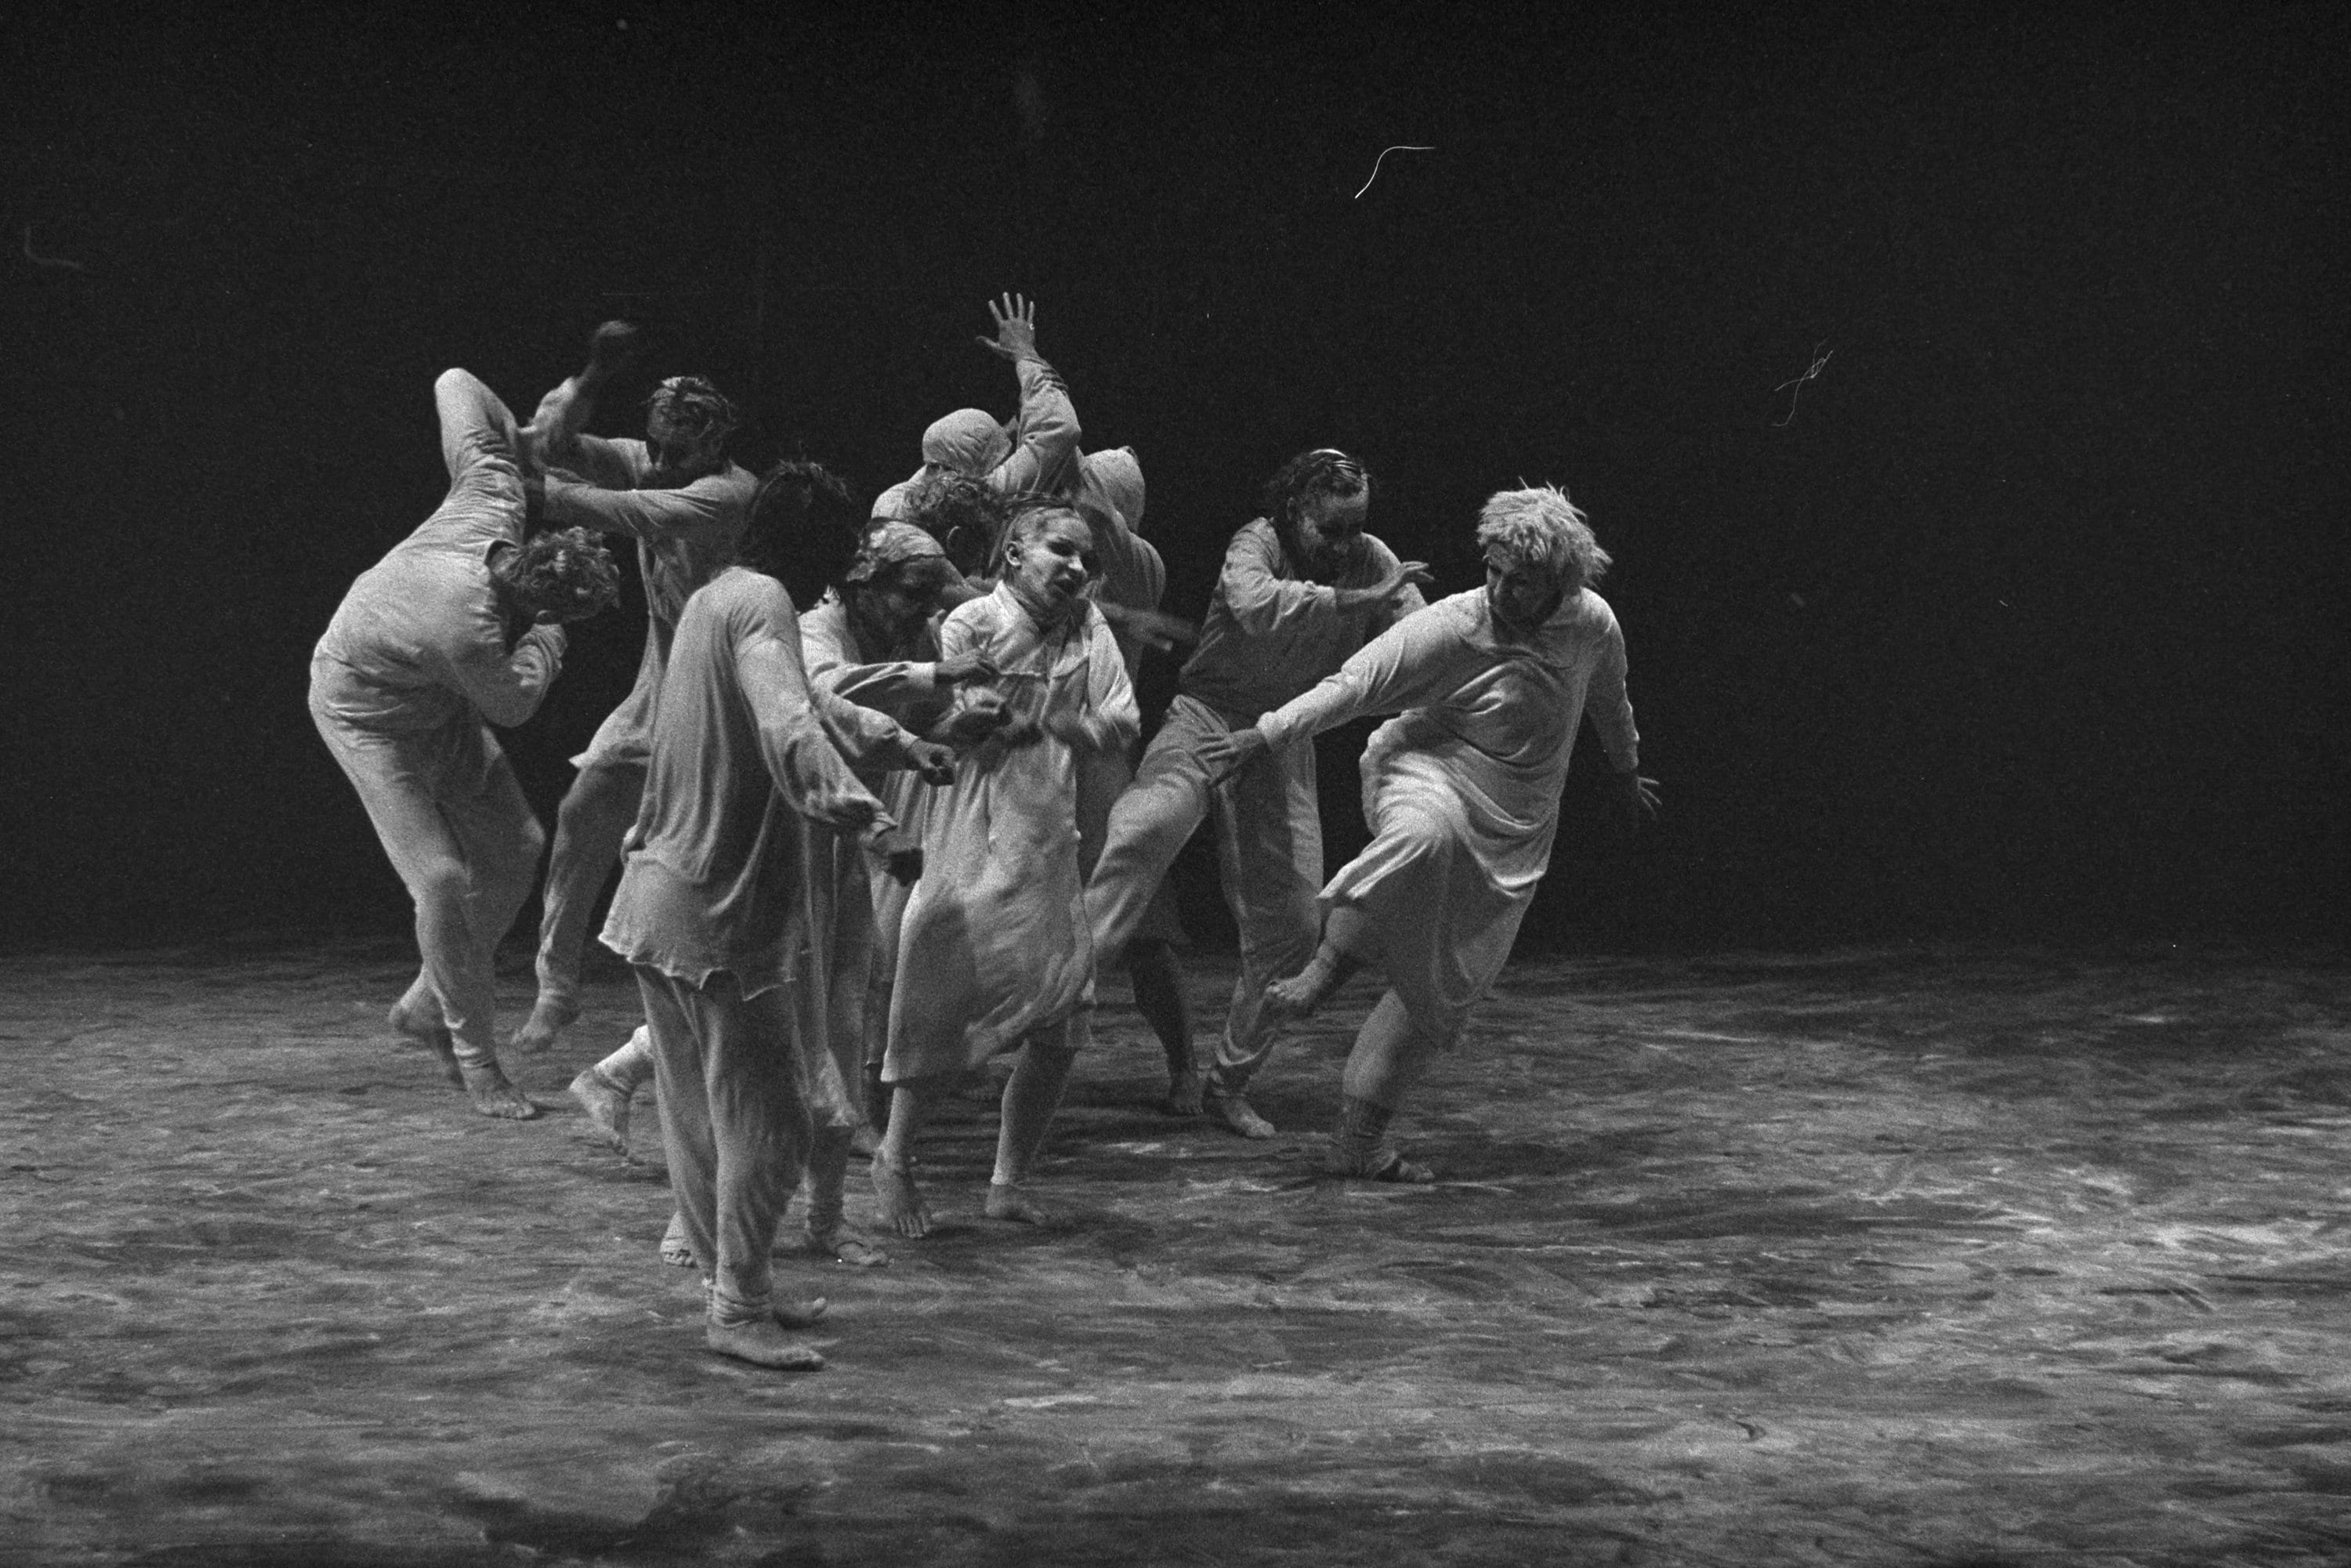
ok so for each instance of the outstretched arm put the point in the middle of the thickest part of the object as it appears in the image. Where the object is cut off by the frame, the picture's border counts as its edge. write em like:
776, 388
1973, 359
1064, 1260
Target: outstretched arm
703, 508
1048, 432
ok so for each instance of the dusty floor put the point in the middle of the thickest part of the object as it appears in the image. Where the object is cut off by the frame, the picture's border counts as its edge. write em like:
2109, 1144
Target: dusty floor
1888, 1258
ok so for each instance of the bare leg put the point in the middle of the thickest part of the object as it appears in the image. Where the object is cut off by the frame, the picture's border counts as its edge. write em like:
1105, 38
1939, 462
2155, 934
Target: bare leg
1160, 998
830, 1234
605, 1089
893, 1163
595, 817
1349, 944
1388, 1058
1031, 1099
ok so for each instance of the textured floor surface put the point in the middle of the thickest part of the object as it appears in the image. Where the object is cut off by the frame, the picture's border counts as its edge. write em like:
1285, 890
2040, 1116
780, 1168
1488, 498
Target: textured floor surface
1935, 1258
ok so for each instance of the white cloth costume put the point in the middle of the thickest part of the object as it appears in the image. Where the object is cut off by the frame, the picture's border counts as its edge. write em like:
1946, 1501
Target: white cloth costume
1461, 789
717, 911
1269, 636
995, 946
413, 663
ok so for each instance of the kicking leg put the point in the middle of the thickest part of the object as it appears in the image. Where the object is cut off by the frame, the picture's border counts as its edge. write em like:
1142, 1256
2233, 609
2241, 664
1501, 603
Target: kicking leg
1349, 944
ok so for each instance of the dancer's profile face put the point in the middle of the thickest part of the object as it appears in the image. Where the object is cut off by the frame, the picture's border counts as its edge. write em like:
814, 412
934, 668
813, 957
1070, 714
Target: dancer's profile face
1331, 530
1523, 594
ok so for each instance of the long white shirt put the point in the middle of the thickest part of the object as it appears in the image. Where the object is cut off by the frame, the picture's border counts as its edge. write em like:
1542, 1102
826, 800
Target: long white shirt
1461, 789
994, 942
745, 758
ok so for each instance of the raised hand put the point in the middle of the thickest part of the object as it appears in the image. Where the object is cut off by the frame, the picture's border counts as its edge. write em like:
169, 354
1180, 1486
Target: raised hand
1016, 328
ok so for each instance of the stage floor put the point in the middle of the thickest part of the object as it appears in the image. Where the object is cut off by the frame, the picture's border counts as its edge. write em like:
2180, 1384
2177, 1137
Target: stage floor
1903, 1257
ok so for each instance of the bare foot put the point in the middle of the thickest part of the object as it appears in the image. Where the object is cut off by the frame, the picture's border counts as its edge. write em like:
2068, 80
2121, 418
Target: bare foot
1007, 1200
423, 1024
762, 1343
1237, 1115
844, 1244
607, 1105
801, 1314
550, 1017
901, 1206
1380, 1164
1300, 995
493, 1094
1183, 1088
676, 1250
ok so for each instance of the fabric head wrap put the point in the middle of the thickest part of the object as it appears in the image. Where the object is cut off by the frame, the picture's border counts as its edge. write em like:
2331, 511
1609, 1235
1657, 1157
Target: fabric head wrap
890, 545
1117, 477
969, 441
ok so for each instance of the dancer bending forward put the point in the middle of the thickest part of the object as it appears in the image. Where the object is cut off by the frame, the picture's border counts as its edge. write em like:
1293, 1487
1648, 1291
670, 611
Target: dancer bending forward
995, 955
1461, 790
458, 628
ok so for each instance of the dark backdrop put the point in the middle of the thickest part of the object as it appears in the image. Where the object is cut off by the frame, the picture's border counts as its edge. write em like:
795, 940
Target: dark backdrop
2024, 617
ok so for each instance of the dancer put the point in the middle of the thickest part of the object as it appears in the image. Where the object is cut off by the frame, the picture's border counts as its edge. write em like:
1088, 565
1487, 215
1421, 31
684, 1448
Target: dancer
871, 644
1462, 793
891, 586
1110, 494
1036, 454
713, 915
458, 628
685, 502
994, 956
1302, 588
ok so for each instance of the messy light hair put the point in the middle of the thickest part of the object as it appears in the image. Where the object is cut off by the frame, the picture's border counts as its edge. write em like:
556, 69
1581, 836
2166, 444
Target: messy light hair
566, 572
1540, 526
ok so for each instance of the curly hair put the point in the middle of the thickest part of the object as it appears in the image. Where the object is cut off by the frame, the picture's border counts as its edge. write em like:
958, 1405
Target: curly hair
566, 572
1540, 527
804, 528
695, 408
966, 515
1325, 471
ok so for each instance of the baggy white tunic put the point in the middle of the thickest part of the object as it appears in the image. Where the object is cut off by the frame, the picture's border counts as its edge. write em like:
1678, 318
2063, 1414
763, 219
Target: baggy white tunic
1461, 789
415, 661
995, 946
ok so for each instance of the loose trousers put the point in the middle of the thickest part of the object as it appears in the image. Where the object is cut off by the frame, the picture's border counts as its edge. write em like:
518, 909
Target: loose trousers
735, 1125
1269, 853
453, 822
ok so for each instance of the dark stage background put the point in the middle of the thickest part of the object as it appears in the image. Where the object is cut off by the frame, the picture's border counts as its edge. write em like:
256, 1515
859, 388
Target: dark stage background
2023, 618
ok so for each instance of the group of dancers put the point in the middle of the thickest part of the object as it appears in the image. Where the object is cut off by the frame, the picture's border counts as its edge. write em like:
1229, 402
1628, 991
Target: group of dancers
880, 798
